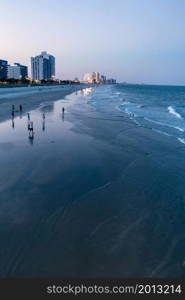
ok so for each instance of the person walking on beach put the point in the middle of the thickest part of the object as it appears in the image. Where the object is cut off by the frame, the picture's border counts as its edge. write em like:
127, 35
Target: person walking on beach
28, 116
20, 107
63, 109
13, 110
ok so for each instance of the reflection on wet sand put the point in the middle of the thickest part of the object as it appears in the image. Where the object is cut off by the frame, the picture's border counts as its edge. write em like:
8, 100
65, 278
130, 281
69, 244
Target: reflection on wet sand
58, 109
43, 125
49, 107
13, 123
31, 132
86, 91
43, 122
63, 116
31, 137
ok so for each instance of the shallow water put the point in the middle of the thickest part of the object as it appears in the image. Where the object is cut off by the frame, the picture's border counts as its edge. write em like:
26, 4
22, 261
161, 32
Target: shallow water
92, 194
160, 108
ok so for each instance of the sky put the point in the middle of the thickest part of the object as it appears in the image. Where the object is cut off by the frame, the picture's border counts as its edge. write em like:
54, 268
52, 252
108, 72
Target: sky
136, 41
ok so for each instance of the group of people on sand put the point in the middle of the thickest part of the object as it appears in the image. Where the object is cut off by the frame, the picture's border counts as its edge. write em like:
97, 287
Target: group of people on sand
30, 123
13, 109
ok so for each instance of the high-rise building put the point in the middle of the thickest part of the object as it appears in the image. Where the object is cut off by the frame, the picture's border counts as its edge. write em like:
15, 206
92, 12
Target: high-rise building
3, 69
103, 78
93, 77
43, 67
23, 70
17, 71
111, 81
97, 77
14, 72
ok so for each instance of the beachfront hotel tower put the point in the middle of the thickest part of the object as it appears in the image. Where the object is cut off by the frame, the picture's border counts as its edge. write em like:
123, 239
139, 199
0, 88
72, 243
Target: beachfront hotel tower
93, 77
43, 67
18, 72
3, 69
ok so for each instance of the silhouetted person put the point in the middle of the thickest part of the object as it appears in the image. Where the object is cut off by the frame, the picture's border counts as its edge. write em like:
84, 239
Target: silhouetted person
20, 108
63, 109
13, 107
28, 116
12, 114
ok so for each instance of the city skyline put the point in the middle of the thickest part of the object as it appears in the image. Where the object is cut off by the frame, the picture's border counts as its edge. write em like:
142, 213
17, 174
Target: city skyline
43, 69
133, 41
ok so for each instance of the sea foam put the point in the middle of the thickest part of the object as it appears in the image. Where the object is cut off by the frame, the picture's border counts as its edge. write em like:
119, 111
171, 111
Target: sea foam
164, 124
173, 112
181, 140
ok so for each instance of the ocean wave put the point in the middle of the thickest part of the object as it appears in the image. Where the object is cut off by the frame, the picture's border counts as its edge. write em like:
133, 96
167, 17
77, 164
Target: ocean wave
164, 124
141, 105
161, 132
120, 107
181, 140
125, 103
173, 112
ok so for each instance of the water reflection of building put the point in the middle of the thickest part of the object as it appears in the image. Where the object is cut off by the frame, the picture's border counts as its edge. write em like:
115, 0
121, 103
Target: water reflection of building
87, 91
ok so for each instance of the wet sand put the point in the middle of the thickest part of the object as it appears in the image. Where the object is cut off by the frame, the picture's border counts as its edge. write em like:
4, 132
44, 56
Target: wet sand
93, 196
31, 97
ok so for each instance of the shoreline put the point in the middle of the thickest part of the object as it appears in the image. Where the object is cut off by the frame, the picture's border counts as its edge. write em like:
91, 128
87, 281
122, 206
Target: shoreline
32, 98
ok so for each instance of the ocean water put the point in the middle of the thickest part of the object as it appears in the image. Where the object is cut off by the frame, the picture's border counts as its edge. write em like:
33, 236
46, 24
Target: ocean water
160, 108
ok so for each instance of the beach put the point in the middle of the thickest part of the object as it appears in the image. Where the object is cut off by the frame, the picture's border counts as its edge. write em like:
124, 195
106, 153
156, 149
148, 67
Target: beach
31, 97
94, 195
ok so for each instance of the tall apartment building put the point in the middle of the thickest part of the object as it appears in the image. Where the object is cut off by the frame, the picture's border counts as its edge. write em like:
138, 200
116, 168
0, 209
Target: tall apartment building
43, 67
93, 77
23, 70
97, 77
17, 71
3, 69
